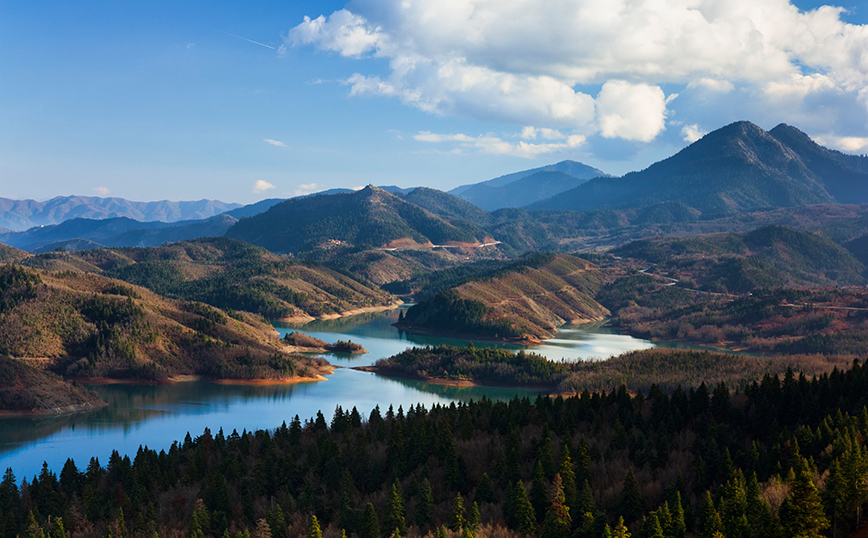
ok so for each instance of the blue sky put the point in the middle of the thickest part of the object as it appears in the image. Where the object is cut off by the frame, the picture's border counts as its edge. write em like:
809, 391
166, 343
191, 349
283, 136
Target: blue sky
240, 101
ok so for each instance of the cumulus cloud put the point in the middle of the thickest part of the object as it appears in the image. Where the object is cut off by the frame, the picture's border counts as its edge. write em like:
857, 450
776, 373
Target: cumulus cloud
494, 145
849, 144
261, 186
566, 66
272, 142
306, 188
102, 191
692, 133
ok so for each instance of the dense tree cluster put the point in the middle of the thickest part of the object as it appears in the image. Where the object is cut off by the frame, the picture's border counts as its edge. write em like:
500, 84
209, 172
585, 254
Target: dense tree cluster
784, 457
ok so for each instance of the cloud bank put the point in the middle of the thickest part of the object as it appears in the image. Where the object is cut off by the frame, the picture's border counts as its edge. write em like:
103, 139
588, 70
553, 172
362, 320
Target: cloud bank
617, 69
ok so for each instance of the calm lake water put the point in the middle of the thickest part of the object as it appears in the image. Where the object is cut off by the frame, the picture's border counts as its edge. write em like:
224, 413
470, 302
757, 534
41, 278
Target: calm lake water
157, 415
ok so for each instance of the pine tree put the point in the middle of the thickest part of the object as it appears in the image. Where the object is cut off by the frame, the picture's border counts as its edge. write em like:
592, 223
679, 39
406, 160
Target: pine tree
484, 491
458, 520
394, 516
518, 511
313, 530
474, 519
424, 505
709, 520
620, 530
557, 522
631, 504
539, 496
802, 511
568, 477
370, 523
679, 526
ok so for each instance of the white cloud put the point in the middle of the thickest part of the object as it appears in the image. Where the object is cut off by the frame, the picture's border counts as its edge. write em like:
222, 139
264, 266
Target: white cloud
277, 143
306, 188
261, 186
692, 133
531, 62
848, 144
494, 145
631, 111
102, 191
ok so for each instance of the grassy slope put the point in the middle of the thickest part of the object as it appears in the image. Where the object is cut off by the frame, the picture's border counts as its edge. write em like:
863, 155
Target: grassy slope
228, 274
100, 327
528, 299
26, 389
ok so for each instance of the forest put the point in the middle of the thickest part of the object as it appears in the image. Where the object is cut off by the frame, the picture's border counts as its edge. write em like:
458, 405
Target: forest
784, 456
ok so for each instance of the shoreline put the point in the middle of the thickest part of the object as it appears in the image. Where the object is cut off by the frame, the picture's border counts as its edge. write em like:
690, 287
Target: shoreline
302, 319
188, 378
55, 411
449, 382
531, 341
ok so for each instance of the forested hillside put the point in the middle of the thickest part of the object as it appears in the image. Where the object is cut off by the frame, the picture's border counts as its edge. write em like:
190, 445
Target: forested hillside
527, 299
92, 326
228, 274
783, 457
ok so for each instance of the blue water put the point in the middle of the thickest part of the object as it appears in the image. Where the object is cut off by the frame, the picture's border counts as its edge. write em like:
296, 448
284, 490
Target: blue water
157, 415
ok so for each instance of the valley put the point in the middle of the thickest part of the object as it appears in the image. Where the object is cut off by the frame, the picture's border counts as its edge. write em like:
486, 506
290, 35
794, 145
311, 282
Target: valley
673, 353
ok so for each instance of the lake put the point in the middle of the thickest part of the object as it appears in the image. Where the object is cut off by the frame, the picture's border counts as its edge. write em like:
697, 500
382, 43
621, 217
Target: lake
157, 415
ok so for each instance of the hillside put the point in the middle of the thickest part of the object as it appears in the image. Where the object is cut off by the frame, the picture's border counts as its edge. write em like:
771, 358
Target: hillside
737, 168
523, 188
228, 274
768, 257
367, 218
93, 326
526, 300
25, 389
117, 232
20, 215
11, 254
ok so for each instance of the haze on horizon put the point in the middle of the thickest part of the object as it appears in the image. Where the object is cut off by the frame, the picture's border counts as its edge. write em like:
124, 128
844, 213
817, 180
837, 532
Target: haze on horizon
238, 101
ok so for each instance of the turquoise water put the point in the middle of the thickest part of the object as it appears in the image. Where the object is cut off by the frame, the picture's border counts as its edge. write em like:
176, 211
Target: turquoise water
157, 415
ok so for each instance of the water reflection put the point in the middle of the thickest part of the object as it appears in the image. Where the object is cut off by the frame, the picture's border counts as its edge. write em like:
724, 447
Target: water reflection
157, 415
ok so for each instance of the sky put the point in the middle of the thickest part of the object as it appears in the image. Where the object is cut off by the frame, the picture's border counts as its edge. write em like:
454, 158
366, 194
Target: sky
245, 100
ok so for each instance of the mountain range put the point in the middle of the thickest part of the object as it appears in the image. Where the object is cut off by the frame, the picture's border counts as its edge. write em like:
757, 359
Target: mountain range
20, 215
737, 168
522, 188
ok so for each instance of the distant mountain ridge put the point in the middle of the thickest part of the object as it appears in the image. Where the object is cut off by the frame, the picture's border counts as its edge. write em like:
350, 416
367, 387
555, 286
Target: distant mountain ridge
20, 215
371, 217
522, 188
737, 168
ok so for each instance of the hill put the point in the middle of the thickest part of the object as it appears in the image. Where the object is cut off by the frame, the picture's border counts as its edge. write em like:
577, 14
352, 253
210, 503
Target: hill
526, 300
11, 254
117, 232
93, 326
20, 215
367, 218
25, 389
522, 188
228, 274
768, 257
737, 168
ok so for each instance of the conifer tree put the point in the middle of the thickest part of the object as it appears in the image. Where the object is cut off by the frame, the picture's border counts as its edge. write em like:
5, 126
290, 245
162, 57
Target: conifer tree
557, 522
484, 491
568, 478
802, 513
424, 505
313, 530
620, 530
458, 520
370, 523
394, 515
539, 496
631, 504
474, 519
518, 511
709, 520
679, 525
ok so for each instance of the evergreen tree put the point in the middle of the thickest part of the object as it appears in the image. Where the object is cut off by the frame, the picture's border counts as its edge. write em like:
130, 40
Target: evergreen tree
631, 504
620, 530
518, 511
458, 520
313, 530
710, 524
802, 511
424, 505
474, 519
484, 491
568, 477
679, 525
394, 515
370, 523
539, 496
557, 522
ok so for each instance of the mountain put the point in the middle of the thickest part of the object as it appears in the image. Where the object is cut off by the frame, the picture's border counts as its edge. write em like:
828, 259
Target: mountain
229, 274
253, 209
446, 205
737, 168
367, 218
526, 300
768, 257
117, 232
522, 188
20, 215
92, 326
